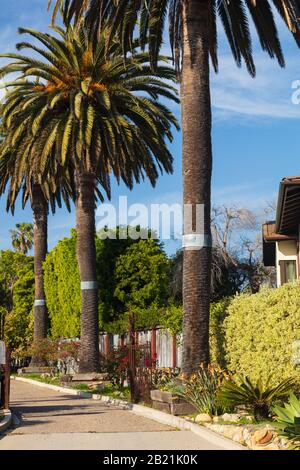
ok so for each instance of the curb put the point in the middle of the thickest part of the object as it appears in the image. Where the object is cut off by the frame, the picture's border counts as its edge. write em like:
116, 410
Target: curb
146, 412
6, 422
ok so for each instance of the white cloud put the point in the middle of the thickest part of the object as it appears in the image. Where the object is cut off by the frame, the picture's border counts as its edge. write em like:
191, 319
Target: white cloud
269, 95
254, 195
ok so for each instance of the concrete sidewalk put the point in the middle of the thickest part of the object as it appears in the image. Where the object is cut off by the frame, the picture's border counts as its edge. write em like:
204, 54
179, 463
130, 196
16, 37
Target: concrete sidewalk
52, 421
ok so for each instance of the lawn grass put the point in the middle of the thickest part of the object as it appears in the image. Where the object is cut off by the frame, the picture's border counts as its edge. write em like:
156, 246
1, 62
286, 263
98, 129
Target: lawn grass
47, 380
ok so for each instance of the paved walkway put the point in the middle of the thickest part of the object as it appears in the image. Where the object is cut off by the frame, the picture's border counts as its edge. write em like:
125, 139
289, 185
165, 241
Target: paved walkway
52, 421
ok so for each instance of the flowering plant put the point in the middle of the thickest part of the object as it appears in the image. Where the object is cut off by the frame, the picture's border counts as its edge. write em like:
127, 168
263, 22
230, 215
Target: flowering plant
164, 378
116, 365
201, 389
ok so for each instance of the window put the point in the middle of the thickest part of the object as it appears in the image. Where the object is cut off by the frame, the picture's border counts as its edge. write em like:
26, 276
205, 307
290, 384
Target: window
288, 271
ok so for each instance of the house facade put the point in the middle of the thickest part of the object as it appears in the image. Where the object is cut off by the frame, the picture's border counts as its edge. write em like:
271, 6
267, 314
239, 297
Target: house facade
281, 237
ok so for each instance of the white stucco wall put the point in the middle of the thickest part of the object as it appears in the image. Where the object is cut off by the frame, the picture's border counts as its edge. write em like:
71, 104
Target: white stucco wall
285, 251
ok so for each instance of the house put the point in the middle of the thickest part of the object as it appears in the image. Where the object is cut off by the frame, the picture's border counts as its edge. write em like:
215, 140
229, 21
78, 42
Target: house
281, 237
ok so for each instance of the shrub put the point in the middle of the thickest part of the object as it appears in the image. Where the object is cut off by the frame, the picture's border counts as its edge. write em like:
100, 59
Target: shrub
288, 418
201, 389
260, 331
218, 314
53, 352
116, 366
257, 397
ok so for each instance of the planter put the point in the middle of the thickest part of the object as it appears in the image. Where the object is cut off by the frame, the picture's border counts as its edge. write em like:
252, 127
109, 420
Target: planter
172, 404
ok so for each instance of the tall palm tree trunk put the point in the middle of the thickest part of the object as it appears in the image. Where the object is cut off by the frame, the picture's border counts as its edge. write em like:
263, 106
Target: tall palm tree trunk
40, 215
86, 256
197, 168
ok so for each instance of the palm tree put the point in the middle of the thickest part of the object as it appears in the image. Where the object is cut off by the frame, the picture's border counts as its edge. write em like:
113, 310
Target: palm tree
99, 113
22, 237
193, 38
18, 172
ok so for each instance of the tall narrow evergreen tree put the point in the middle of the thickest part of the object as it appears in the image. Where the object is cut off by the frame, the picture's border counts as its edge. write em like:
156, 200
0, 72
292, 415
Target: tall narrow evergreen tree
194, 40
99, 113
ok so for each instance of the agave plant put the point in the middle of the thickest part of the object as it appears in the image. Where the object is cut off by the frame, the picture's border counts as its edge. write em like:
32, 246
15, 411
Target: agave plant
258, 397
288, 419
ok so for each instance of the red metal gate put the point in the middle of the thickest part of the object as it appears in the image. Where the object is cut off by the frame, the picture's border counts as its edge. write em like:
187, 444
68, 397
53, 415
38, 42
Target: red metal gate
140, 371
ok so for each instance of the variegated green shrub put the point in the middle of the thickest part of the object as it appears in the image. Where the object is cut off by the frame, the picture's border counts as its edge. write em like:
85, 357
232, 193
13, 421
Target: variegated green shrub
261, 331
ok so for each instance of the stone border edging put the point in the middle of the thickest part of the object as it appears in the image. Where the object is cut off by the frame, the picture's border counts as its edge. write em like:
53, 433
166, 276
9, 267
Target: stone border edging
146, 412
6, 421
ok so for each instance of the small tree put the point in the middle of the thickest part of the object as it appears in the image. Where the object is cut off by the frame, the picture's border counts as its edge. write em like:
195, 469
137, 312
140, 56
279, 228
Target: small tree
142, 275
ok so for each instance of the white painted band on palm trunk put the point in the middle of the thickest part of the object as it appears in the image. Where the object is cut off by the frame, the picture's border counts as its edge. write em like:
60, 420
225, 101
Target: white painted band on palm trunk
39, 303
196, 240
89, 285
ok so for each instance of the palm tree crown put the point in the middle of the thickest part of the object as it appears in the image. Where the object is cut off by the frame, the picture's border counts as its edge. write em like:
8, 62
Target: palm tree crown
22, 237
152, 14
83, 109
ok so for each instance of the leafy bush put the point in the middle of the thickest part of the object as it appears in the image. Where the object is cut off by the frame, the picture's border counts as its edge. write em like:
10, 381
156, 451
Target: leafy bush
288, 418
53, 352
218, 314
260, 331
16, 298
258, 397
201, 389
116, 366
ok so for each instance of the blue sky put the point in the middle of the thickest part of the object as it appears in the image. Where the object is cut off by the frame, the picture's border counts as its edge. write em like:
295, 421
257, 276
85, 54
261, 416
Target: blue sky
255, 135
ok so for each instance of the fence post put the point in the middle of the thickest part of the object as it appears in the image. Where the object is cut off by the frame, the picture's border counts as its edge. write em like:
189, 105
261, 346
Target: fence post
174, 351
153, 347
107, 344
132, 359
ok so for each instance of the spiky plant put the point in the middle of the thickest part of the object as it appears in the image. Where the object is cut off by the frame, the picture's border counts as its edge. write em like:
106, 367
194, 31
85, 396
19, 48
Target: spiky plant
102, 114
288, 419
258, 397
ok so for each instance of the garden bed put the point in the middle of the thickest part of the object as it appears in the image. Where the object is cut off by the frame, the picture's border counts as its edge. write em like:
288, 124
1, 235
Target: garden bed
255, 436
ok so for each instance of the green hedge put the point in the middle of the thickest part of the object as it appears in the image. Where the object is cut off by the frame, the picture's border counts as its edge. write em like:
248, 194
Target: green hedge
260, 330
133, 276
62, 288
